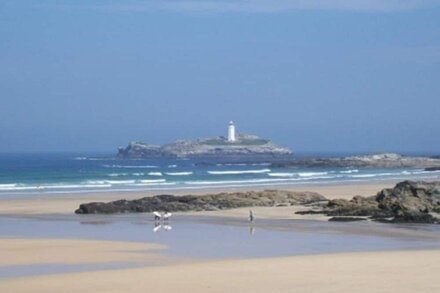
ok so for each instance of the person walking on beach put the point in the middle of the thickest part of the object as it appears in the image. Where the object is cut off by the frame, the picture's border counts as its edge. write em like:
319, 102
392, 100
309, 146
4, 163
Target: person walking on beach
251, 216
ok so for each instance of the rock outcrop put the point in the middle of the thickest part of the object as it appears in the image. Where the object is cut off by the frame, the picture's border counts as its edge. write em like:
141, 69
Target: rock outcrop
388, 160
209, 202
408, 201
245, 148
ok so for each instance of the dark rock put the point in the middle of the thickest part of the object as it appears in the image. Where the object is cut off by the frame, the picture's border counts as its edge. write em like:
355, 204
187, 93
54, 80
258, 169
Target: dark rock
311, 212
420, 218
346, 219
202, 203
408, 201
358, 206
374, 161
410, 197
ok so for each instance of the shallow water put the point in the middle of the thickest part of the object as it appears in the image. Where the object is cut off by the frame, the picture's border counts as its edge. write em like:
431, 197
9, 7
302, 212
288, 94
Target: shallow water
190, 237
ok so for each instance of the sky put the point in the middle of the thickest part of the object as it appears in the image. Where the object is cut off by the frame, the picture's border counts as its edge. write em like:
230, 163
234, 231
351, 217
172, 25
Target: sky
316, 76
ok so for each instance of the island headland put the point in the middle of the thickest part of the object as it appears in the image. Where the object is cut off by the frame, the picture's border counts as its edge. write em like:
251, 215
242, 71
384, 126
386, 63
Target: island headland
381, 160
234, 147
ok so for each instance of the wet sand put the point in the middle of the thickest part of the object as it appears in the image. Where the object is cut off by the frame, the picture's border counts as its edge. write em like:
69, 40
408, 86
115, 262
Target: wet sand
15, 251
398, 271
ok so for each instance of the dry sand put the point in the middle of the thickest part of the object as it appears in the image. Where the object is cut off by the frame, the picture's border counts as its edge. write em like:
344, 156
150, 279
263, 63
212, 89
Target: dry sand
397, 271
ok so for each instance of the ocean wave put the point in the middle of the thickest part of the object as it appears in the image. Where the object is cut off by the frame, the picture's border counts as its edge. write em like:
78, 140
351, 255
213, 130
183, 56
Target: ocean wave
138, 174
279, 174
152, 181
23, 187
263, 180
373, 175
117, 174
125, 174
155, 173
350, 171
111, 182
178, 173
94, 159
172, 166
237, 172
211, 182
131, 166
424, 172
312, 174
243, 164
154, 184
80, 158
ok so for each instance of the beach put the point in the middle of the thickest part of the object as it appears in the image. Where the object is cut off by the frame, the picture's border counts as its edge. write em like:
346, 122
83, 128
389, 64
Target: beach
397, 271
44, 246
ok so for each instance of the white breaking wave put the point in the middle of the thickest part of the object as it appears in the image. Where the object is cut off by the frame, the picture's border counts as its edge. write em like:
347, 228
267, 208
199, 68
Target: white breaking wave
350, 171
130, 166
179, 173
311, 174
138, 174
80, 158
282, 174
111, 182
373, 175
124, 174
172, 166
155, 173
234, 181
263, 180
117, 174
150, 181
236, 172
21, 187
154, 184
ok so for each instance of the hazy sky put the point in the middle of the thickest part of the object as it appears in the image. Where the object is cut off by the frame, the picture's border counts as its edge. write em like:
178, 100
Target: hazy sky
343, 75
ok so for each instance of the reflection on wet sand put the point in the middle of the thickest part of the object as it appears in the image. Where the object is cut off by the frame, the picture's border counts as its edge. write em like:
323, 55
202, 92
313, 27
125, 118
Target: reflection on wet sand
159, 226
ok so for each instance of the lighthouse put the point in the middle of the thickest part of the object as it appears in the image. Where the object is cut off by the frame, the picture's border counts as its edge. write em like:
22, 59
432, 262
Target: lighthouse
231, 131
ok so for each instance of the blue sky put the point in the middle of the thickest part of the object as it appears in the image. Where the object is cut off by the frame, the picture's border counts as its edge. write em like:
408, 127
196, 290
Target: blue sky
359, 76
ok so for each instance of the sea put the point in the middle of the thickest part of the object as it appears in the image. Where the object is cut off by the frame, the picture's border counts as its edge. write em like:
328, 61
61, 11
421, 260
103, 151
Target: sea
79, 173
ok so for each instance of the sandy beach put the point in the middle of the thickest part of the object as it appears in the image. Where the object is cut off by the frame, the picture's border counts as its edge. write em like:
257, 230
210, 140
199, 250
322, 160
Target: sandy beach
397, 271
389, 270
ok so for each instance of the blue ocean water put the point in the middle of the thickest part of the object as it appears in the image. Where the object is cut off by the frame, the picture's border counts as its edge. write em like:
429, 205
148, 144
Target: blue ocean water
57, 173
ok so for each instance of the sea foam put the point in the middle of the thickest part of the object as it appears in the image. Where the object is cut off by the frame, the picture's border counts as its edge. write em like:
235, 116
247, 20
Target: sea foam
178, 173
237, 172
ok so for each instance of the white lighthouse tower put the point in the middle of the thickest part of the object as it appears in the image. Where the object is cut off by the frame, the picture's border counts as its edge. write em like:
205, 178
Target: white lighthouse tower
231, 131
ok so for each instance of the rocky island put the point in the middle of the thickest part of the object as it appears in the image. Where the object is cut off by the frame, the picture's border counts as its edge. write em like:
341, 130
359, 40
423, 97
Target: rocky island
384, 160
240, 147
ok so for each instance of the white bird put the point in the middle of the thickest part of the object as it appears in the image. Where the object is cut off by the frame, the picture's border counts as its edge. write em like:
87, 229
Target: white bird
167, 215
157, 216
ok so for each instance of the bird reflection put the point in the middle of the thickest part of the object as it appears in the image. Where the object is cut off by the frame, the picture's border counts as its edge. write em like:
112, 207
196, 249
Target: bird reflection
158, 226
161, 220
251, 230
